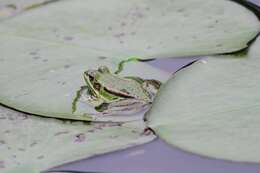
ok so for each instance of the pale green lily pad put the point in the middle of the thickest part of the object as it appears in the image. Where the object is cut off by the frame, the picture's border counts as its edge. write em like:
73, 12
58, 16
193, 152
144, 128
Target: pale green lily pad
30, 144
148, 29
212, 108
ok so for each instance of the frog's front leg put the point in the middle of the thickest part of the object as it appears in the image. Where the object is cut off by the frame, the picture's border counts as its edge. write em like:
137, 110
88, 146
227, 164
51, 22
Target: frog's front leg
84, 94
123, 107
89, 97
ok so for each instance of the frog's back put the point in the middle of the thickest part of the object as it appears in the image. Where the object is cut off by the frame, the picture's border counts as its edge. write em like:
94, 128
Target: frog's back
124, 86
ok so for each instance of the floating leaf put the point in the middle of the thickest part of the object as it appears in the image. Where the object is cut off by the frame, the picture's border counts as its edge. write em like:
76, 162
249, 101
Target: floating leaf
30, 144
127, 28
213, 107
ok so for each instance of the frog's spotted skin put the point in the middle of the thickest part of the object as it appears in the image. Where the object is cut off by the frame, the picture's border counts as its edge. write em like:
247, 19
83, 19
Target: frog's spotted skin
111, 94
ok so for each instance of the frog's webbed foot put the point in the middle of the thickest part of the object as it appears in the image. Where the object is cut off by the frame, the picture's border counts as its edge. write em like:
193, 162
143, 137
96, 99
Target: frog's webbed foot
123, 107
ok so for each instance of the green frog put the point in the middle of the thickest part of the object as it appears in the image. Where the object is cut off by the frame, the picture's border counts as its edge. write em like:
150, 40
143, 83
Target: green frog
112, 94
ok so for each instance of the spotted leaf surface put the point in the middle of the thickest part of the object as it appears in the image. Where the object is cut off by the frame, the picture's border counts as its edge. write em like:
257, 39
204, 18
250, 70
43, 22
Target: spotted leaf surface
31, 144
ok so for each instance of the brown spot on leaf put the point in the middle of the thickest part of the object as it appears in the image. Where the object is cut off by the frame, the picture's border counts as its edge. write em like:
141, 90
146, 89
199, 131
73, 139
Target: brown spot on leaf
21, 149
66, 66
102, 57
180, 10
2, 142
33, 53
7, 131
40, 157
139, 15
80, 137
134, 131
114, 124
12, 6
36, 57
61, 133
133, 33
23, 117
110, 28
33, 144
68, 38
119, 35
113, 136
148, 47
91, 131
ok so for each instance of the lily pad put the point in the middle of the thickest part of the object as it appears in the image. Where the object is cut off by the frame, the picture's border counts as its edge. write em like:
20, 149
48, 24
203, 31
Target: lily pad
127, 28
212, 107
30, 144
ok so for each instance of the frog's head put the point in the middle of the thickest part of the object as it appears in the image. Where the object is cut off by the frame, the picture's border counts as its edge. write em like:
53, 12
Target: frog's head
92, 78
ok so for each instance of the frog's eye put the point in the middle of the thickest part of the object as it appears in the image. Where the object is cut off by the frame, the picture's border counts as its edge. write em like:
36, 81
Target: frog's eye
91, 78
103, 69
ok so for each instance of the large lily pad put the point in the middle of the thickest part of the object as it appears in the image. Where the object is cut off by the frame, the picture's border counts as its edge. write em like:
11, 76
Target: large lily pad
127, 28
212, 107
30, 144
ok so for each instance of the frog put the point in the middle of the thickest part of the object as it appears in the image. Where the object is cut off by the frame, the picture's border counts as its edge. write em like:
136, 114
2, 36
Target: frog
112, 94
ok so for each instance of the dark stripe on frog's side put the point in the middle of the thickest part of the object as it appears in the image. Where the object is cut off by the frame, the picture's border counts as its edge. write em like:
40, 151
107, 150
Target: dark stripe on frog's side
123, 94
